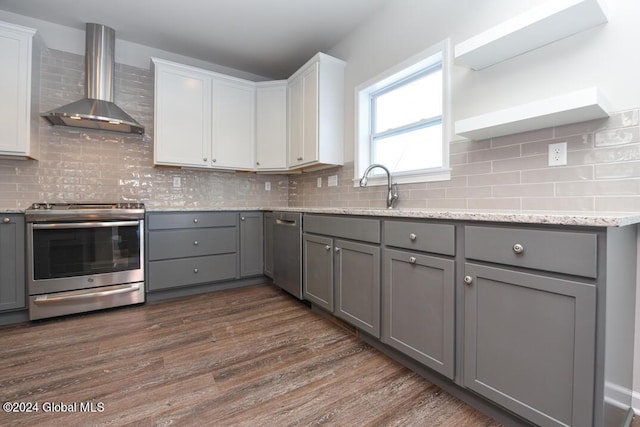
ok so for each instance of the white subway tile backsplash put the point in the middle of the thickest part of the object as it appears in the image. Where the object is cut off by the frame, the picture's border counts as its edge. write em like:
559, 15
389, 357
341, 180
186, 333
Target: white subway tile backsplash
505, 173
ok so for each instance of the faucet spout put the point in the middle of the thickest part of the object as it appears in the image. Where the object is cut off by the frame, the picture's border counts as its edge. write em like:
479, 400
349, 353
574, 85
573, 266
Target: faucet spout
392, 189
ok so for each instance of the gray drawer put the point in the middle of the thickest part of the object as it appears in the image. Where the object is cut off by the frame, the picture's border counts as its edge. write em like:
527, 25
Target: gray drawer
421, 236
558, 251
164, 244
168, 220
364, 229
191, 271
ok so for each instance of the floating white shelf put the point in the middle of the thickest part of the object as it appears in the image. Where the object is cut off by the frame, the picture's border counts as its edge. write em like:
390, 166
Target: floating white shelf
551, 21
580, 106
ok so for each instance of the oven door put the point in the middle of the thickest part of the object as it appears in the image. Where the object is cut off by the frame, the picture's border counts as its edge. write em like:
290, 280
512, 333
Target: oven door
68, 256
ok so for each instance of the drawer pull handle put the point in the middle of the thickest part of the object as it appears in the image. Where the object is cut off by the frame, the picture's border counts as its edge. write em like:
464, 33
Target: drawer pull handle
6, 220
518, 248
195, 270
412, 236
195, 243
412, 260
468, 280
328, 247
195, 220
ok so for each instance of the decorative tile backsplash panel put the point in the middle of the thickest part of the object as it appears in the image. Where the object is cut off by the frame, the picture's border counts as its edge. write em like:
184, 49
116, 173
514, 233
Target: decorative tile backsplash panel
89, 165
511, 173
506, 173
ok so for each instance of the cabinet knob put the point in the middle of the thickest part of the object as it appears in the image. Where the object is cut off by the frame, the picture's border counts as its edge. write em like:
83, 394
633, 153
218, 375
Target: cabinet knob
241, 218
328, 247
195, 270
213, 160
6, 220
412, 236
518, 248
467, 280
299, 158
412, 260
337, 249
195, 220
258, 163
195, 243
204, 159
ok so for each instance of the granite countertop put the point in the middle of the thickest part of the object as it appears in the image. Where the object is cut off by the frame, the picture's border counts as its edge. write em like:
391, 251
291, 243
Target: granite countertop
587, 219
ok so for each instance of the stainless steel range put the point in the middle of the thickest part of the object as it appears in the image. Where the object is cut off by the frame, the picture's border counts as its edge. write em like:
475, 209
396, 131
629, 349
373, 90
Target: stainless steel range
83, 257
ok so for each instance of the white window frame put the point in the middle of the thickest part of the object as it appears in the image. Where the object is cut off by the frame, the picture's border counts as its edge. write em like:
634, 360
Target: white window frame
438, 53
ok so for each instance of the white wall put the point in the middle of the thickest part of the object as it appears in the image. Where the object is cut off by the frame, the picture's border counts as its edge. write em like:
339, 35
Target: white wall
605, 56
72, 40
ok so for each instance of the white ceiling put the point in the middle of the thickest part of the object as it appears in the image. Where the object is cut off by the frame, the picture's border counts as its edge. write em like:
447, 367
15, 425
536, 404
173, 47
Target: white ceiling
271, 38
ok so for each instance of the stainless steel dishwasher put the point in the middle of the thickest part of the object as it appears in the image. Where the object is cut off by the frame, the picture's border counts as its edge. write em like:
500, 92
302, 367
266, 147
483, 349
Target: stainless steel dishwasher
287, 255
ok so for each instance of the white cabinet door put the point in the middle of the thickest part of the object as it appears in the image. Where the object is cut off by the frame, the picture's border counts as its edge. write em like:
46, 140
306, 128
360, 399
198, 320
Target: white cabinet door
303, 117
271, 125
233, 144
182, 115
315, 115
15, 89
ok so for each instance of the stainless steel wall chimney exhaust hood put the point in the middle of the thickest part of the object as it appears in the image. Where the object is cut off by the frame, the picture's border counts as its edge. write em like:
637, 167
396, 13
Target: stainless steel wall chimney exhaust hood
97, 111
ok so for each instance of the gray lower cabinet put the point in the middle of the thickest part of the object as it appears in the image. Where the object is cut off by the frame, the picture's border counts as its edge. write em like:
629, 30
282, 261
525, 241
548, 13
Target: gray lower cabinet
529, 343
342, 275
419, 308
251, 244
357, 285
191, 248
317, 281
12, 262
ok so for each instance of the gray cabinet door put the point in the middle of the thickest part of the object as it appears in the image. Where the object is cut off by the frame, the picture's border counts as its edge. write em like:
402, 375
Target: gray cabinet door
529, 344
419, 308
357, 285
269, 223
12, 255
251, 249
317, 283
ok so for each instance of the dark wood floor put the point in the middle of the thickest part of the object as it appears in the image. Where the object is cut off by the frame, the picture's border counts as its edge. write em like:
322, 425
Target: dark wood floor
251, 356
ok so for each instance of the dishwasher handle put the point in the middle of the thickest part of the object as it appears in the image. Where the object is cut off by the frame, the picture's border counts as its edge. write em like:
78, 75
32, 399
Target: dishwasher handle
288, 222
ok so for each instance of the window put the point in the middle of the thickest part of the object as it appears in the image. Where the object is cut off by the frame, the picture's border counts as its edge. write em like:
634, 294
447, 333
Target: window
403, 120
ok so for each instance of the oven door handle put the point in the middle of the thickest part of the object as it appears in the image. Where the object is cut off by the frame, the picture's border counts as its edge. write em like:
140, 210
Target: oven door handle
50, 299
93, 224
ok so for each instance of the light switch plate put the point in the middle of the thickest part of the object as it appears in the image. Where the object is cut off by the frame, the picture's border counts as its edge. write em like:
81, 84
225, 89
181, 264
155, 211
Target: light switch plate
267, 186
332, 181
176, 182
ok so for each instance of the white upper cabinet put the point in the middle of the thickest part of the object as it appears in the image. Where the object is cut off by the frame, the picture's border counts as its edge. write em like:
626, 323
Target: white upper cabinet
316, 113
233, 145
18, 103
203, 119
271, 125
182, 115
209, 120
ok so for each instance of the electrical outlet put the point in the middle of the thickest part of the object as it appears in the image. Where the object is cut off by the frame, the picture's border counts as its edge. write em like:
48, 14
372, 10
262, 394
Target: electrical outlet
558, 154
267, 186
176, 181
319, 182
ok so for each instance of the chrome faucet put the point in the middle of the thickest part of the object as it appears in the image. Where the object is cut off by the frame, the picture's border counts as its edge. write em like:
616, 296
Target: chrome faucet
392, 193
